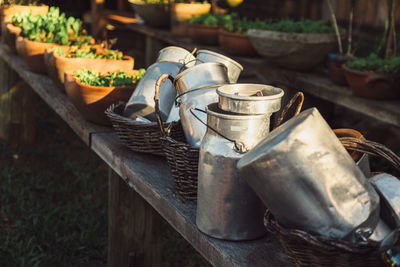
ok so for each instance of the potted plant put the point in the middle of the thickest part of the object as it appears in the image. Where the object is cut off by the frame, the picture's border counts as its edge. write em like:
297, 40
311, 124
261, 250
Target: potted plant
378, 75
336, 60
60, 60
233, 36
155, 13
93, 92
11, 30
9, 8
41, 32
182, 11
204, 29
297, 45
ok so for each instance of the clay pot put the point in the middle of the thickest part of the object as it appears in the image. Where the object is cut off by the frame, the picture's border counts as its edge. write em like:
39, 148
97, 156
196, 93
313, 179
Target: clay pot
335, 63
236, 44
182, 12
361, 159
373, 85
7, 12
156, 15
9, 35
32, 53
92, 101
296, 51
57, 65
203, 34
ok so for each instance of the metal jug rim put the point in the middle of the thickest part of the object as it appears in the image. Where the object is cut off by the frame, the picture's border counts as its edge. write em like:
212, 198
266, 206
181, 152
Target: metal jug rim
221, 56
214, 110
183, 73
174, 47
279, 92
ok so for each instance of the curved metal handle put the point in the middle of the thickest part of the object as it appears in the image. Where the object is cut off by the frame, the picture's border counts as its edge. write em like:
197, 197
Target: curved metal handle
239, 147
298, 95
177, 102
160, 80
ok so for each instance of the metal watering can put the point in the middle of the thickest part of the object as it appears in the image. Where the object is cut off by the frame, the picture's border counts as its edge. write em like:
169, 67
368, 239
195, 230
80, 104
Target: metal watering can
171, 60
308, 181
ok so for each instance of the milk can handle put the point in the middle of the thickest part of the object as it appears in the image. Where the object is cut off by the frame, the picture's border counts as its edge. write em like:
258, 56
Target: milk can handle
298, 95
177, 103
157, 100
239, 147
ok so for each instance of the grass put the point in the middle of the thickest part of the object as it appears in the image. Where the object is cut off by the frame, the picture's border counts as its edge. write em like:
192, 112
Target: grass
53, 204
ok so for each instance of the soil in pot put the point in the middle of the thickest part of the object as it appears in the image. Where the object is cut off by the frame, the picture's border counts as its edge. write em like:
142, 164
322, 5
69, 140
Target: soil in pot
335, 65
57, 65
9, 35
156, 15
203, 34
236, 44
92, 101
182, 12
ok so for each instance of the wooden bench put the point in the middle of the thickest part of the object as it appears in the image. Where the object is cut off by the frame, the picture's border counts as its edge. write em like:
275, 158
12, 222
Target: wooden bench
134, 223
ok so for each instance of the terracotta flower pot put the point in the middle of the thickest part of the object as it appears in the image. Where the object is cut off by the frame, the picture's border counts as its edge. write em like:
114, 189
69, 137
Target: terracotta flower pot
7, 12
156, 15
32, 53
9, 35
182, 12
335, 65
361, 159
297, 51
57, 65
92, 101
236, 44
373, 85
203, 34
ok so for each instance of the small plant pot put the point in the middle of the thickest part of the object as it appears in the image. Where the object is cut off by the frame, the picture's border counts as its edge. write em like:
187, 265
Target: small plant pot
57, 65
236, 44
156, 15
92, 101
373, 85
32, 53
294, 51
182, 12
8, 11
203, 34
335, 64
9, 35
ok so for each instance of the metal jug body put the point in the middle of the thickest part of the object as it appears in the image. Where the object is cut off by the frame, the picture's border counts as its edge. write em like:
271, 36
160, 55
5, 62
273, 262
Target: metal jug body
227, 208
176, 54
142, 100
308, 181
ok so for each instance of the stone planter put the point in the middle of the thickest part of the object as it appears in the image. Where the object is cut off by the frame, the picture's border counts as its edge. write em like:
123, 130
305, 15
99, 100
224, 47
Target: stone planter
373, 85
9, 35
296, 51
182, 12
203, 34
156, 15
57, 65
92, 101
236, 44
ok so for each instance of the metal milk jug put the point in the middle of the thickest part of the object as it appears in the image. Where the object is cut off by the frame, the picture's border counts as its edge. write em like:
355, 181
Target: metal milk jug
197, 87
308, 180
176, 54
142, 100
227, 208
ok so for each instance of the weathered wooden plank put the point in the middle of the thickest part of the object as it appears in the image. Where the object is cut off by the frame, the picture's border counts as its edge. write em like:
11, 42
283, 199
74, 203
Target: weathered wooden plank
150, 177
134, 227
57, 100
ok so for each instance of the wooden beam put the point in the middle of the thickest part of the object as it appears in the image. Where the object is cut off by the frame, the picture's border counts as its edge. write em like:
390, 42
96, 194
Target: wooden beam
98, 22
134, 227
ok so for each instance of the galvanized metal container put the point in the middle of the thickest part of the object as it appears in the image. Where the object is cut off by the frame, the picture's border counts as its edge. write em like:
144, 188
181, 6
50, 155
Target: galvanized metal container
308, 180
250, 98
234, 68
142, 100
227, 208
176, 54
197, 87
388, 187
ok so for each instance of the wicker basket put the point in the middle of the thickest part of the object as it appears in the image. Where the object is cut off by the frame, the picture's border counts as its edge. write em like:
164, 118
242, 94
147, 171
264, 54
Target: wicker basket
139, 136
304, 249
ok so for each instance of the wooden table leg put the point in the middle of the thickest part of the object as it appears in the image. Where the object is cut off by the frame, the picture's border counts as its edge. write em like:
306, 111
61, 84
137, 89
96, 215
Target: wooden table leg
17, 108
134, 227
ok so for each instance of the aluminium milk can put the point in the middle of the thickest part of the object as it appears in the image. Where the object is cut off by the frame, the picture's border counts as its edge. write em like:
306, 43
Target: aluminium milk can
197, 86
176, 54
227, 208
234, 68
308, 181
